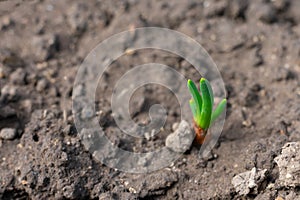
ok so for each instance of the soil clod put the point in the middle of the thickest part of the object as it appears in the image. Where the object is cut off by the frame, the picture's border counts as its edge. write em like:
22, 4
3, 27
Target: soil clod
249, 182
181, 139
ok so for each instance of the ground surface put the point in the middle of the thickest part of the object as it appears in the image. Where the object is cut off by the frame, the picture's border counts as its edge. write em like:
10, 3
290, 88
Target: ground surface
256, 45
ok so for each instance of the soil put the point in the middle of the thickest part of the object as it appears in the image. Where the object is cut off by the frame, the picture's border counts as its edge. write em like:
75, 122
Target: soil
255, 45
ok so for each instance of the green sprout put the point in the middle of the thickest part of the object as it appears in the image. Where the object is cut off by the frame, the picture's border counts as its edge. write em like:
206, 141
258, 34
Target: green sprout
202, 106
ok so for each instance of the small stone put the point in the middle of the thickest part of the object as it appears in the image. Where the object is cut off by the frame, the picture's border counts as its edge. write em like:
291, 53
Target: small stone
104, 196
249, 182
67, 129
181, 139
44, 46
216, 9
2, 73
64, 156
41, 85
26, 105
132, 190
69, 191
280, 4
147, 136
6, 22
6, 112
153, 133
236, 8
53, 91
175, 126
42, 65
247, 123
289, 164
8, 133
266, 14
262, 11
18, 76
9, 93
10, 59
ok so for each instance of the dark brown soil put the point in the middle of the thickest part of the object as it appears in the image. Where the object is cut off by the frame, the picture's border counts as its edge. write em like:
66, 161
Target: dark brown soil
255, 44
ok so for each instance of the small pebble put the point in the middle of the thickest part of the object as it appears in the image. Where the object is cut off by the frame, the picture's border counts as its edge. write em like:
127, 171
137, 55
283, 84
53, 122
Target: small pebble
6, 22
237, 8
182, 138
266, 14
8, 133
9, 92
147, 136
67, 129
2, 74
18, 76
152, 133
280, 4
41, 85
44, 46
175, 126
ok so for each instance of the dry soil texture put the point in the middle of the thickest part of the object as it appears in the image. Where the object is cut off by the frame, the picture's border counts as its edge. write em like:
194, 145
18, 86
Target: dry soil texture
255, 43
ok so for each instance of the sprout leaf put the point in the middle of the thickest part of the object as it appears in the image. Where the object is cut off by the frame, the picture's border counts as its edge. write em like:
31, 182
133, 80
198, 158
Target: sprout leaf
202, 105
197, 99
206, 104
219, 109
